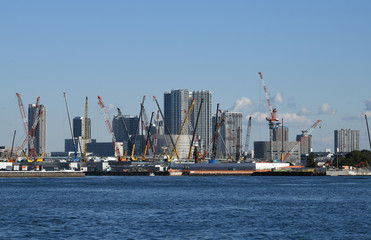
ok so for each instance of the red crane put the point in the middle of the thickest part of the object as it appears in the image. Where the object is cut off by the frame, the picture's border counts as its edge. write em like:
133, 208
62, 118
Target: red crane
28, 135
272, 119
305, 134
110, 130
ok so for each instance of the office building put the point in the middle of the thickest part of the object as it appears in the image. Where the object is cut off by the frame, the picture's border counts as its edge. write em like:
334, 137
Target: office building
346, 140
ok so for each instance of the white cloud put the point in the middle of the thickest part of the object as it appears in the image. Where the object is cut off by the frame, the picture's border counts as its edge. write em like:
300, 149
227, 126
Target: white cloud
326, 109
358, 117
368, 104
288, 118
294, 118
258, 117
242, 104
305, 111
278, 98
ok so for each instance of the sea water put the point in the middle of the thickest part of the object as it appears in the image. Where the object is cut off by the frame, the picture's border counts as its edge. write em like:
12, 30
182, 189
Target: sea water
166, 207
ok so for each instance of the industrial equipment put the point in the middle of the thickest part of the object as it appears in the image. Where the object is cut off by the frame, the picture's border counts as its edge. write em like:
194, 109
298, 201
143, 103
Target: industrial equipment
305, 134
272, 117
110, 130
182, 129
76, 159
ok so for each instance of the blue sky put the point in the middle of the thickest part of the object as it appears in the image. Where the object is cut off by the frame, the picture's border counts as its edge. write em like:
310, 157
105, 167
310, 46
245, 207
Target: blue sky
314, 56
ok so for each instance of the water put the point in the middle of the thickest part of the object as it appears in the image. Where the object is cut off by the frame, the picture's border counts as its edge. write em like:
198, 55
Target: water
186, 208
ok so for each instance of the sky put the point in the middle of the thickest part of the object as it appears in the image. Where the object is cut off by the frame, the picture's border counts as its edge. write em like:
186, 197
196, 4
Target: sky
315, 58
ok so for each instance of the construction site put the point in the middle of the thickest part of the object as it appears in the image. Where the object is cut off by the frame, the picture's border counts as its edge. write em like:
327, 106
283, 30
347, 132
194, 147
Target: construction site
184, 139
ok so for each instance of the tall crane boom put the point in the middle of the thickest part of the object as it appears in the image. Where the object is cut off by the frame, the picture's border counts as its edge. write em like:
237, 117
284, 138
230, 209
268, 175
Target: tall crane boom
305, 134
31, 141
248, 131
23, 113
272, 117
28, 135
182, 128
272, 111
166, 126
368, 131
86, 131
109, 128
72, 136
137, 130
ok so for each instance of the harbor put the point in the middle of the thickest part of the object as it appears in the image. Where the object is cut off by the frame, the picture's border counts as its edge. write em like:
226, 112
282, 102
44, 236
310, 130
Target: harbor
115, 168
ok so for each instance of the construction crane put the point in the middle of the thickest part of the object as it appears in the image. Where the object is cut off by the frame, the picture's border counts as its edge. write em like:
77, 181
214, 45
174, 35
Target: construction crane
247, 140
272, 117
194, 130
305, 134
230, 135
25, 123
31, 141
76, 159
10, 156
137, 130
212, 145
215, 137
368, 131
166, 126
148, 140
155, 139
28, 136
31, 153
125, 127
86, 131
110, 130
184, 124
146, 129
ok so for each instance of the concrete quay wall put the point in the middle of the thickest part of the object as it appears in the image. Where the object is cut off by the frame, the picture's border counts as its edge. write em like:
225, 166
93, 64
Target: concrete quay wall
30, 174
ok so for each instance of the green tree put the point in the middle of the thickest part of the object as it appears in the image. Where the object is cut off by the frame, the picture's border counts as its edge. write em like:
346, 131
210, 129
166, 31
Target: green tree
354, 158
310, 160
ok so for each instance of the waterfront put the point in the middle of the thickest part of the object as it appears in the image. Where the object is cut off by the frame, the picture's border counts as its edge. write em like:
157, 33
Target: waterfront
186, 208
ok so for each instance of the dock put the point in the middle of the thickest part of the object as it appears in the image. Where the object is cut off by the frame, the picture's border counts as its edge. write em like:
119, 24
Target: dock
38, 174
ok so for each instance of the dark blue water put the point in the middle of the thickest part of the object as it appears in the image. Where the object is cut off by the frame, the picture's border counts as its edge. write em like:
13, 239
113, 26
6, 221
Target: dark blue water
186, 208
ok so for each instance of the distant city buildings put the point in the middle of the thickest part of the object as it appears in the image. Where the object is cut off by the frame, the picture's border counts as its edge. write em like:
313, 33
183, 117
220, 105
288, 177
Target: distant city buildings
39, 134
346, 140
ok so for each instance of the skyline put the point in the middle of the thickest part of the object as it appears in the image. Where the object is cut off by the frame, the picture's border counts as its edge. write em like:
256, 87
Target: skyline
314, 57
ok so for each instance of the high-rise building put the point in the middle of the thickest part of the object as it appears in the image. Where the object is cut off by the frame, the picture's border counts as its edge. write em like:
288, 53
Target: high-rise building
40, 130
231, 133
176, 104
346, 140
204, 126
306, 145
79, 127
278, 131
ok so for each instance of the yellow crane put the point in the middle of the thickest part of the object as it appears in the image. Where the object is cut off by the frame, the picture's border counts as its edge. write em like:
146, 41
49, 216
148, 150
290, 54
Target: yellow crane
182, 129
